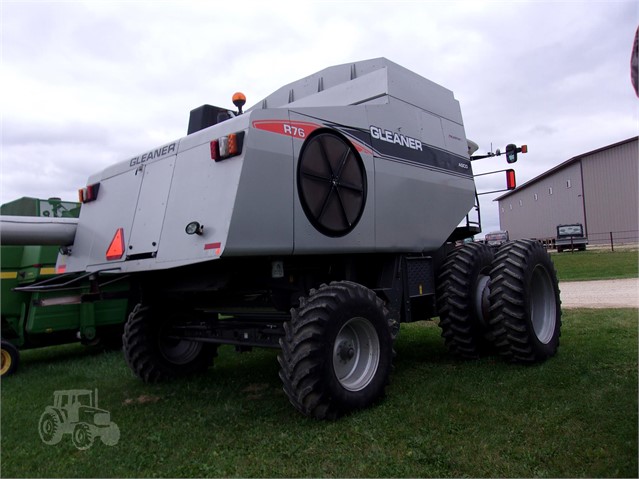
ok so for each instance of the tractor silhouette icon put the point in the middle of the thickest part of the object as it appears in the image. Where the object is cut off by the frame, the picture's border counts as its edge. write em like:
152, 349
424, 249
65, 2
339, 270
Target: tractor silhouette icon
76, 412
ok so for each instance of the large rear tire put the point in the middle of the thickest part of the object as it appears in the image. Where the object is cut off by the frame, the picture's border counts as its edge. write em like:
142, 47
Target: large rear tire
525, 309
337, 352
154, 353
462, 300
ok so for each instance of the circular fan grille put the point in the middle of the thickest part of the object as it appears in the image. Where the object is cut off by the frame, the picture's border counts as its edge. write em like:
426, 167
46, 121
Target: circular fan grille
331, 182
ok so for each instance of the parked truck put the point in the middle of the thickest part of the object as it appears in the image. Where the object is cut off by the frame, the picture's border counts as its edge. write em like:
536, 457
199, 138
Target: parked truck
495, 239
80, 312
316, 223
571, 237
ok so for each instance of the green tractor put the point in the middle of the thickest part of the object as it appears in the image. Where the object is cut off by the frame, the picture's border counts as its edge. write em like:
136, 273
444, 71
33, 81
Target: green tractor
68, 309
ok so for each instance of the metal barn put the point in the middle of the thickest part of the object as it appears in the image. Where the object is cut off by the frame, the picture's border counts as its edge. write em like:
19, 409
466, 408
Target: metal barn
599, 189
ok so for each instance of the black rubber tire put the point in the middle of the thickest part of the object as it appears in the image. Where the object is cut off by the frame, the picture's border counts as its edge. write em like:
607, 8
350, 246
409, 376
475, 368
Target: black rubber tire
308, 369
10, 358
146, 349
525, 309
462, 284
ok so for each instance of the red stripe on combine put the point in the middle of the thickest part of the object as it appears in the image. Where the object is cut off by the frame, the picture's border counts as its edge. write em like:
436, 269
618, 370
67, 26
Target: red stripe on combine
299, 129
296, 129
362, 149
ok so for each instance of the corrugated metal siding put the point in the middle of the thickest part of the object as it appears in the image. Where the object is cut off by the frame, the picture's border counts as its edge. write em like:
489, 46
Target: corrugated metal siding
534, 212
611, 182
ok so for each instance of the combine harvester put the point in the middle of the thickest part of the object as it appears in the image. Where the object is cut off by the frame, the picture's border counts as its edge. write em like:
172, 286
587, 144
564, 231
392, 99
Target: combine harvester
316, 222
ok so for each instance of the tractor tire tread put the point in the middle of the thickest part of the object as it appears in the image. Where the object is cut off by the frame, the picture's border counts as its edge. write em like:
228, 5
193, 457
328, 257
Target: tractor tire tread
462, 335
508, 312
303, 348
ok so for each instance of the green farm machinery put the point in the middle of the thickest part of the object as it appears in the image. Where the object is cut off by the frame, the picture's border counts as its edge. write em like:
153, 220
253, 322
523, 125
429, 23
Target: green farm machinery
74, 312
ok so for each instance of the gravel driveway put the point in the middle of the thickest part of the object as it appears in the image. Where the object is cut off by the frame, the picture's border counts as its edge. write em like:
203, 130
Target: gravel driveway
609, 293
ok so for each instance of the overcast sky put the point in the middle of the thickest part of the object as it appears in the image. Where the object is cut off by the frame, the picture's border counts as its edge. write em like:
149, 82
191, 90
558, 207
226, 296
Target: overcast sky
87, 84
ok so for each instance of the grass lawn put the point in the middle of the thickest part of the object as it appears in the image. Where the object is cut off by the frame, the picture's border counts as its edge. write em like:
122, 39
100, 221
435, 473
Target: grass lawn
575, 415
592, 264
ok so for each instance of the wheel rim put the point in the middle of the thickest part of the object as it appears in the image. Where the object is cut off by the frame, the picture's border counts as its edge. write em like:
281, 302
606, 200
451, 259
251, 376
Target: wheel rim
176, 350
543, 305
356, 354
6, 362
179, 351
482, 293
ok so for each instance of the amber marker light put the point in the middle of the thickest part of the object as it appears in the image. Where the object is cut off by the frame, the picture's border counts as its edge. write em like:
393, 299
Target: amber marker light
239, 100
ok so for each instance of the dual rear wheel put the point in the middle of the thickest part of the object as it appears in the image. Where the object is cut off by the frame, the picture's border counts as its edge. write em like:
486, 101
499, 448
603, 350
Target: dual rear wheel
506, 302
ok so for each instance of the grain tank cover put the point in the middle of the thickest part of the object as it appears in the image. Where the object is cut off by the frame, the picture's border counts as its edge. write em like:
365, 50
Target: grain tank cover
368, 81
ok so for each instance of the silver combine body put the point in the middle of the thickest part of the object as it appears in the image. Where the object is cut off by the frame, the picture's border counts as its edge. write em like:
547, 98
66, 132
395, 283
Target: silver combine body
316, 223
413, 155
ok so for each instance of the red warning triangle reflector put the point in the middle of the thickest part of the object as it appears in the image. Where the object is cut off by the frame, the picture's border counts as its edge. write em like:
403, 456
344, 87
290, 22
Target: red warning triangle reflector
116, 248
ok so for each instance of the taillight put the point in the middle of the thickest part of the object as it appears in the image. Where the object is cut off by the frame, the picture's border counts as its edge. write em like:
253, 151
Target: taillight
227, 146
116, 248
511, 184
88, 194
